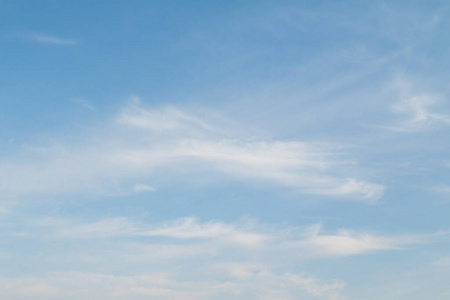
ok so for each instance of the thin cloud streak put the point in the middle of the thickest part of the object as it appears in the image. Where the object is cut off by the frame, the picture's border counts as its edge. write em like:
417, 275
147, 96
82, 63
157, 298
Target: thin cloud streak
84, 103
52, 40
141, 188
309, 241
184, 228
165, 285
348, 242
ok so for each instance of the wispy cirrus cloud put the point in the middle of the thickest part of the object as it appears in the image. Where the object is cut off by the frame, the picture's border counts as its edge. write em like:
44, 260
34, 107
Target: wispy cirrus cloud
83, 103
440, 189
140, 188
308, 241
165, 285
184, 229
349, 242
418, 109
142, 143
51, 40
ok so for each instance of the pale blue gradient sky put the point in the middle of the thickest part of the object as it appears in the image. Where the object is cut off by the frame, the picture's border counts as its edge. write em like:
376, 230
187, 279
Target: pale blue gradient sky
224, 150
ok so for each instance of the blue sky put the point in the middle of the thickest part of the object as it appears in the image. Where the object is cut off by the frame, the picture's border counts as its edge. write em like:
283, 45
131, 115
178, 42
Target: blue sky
224, 150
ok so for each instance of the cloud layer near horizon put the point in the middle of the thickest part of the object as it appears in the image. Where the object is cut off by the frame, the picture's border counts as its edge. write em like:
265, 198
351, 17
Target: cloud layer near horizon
190, 259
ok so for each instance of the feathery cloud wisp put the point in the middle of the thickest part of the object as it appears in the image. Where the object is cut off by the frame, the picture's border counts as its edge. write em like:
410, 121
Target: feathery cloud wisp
52, 40
309, 242
143, 143
165, 285
417, 109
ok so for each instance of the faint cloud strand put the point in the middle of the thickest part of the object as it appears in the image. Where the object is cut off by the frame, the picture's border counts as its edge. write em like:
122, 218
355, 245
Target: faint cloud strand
52, 40
140, 188
308, 241
417, 109
164, 285
84, 103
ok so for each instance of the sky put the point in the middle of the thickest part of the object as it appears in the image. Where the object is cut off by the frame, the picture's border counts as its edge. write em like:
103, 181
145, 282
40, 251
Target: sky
269, 150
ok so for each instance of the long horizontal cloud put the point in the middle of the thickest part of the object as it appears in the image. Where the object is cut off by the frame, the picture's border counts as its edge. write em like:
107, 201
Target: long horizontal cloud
190, 259
347, 242
143, 143
79, 285
52, 40
308, 241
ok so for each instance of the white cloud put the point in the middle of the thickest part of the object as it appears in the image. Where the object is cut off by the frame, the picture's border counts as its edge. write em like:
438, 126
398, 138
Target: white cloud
308, 242
441, 189
4, 211
139, 188
346, 243
84, 103
162, 120
240, 270
189, 228
185, 228
442, 262
315, 288
74, 285
146, 143
27, 287
281, 286
100, 229
52, 40
83, 285
417, 109
177, 252
46, 39
421, 116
